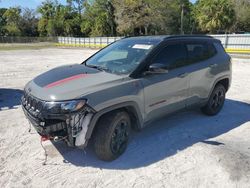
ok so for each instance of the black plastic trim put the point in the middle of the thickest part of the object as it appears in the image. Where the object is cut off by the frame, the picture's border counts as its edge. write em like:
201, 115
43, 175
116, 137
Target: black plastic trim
97, 116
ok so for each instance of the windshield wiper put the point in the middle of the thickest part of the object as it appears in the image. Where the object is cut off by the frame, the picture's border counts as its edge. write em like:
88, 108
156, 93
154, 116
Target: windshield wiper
100, 68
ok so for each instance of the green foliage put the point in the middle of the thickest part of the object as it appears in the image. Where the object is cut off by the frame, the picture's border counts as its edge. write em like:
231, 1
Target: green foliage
12, 29
12, 17
42, 27
47, 9
29, 23
152, 16
126, 17
46, 25
215, 15
242, 8
132, 15
169, 18
98, 19
2, 21
58, 19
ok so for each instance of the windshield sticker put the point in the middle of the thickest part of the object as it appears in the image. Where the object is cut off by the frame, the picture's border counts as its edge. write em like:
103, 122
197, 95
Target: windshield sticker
142, 46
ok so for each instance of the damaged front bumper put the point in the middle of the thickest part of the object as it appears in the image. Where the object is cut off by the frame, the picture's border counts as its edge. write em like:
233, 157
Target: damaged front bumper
72, 127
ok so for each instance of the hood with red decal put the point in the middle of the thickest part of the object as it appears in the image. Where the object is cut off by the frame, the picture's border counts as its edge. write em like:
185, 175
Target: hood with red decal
70, 82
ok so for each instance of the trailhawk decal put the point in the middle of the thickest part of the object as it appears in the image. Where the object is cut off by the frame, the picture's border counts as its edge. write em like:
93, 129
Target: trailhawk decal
59, 82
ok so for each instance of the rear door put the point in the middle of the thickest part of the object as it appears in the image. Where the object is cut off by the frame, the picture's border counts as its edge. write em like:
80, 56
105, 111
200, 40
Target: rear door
202, 66
167, 92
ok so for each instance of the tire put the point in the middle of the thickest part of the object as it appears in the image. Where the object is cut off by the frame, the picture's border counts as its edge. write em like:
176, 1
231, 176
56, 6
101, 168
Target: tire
216, 101
112, 135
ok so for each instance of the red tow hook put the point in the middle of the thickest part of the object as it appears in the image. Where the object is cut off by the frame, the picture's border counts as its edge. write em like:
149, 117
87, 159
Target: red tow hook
45, 138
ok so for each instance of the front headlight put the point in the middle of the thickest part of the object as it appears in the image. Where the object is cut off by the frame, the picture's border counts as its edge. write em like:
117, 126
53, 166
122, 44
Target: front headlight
64, 107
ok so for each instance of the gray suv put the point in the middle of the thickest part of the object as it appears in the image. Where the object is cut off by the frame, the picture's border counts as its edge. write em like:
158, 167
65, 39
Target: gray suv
127, 85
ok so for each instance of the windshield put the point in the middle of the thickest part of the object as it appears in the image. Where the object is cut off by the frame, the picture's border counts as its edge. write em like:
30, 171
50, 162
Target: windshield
121, 57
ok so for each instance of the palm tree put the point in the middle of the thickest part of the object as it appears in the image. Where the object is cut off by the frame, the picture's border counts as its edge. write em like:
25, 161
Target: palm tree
47, 9
214, 15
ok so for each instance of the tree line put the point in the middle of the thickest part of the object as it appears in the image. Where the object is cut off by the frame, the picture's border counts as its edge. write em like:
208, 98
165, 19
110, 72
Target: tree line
126, 17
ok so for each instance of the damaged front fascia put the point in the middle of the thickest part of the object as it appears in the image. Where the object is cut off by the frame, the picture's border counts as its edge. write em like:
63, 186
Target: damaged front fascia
77, 125
72, 127
81, 136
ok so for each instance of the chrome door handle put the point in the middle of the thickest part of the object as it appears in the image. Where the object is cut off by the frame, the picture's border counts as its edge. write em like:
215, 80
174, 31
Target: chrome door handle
183, 75
213, 65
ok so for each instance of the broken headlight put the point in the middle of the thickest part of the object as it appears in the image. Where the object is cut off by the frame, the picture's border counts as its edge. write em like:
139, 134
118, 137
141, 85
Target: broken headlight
64, 107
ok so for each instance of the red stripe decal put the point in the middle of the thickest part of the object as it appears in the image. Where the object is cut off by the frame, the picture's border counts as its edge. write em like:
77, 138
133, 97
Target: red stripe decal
59, 82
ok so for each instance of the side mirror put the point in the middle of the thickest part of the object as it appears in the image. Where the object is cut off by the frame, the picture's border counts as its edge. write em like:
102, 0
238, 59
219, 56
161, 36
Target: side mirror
157, 68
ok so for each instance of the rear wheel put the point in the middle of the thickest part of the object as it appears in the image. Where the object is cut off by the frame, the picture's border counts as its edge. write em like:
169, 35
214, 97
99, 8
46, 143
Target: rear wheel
216, 101
112, 135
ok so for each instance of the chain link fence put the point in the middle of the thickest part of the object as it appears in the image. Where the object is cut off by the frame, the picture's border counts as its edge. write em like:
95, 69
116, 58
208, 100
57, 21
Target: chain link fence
91, 42
240, 42
234, 41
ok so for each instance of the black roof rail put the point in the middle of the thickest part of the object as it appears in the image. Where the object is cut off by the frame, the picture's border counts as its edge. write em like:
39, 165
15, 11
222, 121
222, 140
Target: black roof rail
189, 36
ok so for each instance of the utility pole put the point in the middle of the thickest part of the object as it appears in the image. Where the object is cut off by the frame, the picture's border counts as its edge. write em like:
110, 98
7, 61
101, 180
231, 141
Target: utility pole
182, 15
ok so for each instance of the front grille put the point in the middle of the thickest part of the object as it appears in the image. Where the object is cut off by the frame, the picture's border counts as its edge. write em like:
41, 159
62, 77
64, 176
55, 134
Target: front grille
32, 104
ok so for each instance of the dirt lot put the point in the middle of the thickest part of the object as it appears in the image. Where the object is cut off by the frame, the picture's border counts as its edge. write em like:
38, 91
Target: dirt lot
184, 150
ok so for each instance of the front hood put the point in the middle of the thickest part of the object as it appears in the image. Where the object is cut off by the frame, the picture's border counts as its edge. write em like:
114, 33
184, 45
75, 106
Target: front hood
69, 82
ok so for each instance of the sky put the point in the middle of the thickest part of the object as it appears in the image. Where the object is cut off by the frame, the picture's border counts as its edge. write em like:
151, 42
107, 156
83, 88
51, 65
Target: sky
29, 3
23, 3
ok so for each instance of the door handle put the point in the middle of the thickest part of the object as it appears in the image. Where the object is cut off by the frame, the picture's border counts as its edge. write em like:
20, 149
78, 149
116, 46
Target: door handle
213, 65
183, 75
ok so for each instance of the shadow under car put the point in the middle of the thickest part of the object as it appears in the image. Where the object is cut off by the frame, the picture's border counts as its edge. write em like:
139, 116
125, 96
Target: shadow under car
165, 137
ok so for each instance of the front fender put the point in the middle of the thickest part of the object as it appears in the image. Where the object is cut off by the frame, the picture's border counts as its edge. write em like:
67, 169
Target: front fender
130, 104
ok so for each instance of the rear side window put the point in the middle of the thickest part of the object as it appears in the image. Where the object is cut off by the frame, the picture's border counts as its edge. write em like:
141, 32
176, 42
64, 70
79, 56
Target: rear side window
173, 56
200, 51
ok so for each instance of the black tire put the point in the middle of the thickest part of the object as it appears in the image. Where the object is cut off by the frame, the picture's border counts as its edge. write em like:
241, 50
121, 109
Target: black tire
216, 101
112, 135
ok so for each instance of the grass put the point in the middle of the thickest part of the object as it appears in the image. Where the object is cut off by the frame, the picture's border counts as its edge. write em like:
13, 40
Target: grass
25, 46
42, 45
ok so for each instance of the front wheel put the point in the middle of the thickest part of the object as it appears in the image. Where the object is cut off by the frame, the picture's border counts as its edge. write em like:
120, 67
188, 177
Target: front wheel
216, 101
111, 135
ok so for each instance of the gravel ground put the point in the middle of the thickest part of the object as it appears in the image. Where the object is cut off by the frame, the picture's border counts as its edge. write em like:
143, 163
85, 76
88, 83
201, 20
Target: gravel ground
185, 150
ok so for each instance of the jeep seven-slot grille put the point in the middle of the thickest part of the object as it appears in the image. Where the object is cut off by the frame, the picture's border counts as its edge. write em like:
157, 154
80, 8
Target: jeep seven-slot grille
33, 105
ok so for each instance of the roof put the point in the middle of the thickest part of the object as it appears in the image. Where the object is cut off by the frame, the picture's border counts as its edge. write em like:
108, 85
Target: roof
160, 38
155, 38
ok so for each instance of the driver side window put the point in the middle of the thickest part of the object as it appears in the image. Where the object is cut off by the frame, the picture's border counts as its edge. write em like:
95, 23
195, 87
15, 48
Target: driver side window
173, 56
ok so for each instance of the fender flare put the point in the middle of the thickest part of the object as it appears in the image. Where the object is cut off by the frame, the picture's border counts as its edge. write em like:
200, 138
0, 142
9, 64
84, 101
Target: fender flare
217, 81
98, 115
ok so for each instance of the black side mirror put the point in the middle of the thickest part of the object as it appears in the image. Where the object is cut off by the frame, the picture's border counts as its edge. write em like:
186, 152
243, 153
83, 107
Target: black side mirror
157, 68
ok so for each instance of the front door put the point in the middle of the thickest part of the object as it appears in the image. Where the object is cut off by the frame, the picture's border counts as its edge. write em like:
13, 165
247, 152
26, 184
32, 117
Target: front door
167, 92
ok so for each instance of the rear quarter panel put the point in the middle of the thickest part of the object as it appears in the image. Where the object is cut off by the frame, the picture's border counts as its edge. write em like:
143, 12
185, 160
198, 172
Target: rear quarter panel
203, 77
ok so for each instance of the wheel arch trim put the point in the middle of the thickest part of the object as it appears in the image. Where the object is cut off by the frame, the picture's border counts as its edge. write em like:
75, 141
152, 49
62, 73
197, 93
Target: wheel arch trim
100, 113
217, 81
